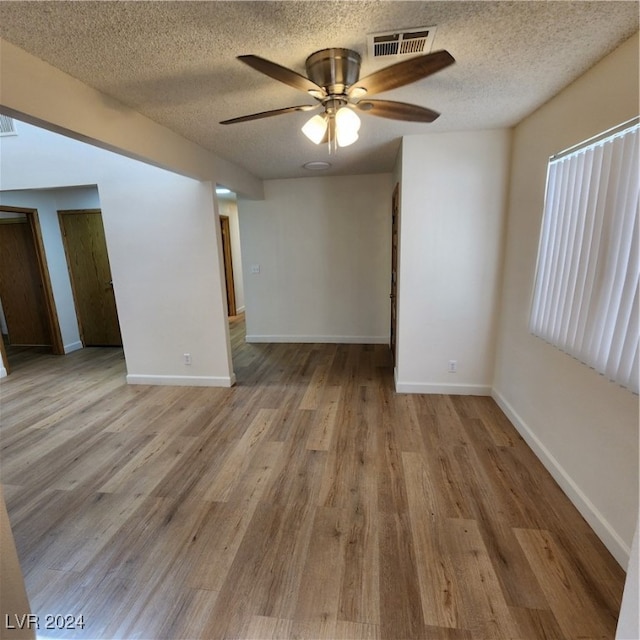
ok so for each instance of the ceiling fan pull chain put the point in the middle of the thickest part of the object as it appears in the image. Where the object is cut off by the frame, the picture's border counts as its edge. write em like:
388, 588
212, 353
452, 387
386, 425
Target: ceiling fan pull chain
332, 134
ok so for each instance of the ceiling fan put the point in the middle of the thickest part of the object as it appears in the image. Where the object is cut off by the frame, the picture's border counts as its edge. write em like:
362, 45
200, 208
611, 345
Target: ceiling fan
334, 81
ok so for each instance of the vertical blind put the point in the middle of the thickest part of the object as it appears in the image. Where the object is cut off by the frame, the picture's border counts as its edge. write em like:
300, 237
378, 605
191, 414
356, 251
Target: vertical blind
585, 298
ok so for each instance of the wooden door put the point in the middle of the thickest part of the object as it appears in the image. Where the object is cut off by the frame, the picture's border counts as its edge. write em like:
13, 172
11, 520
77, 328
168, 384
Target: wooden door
88, 262
228, 265
394, 272
21, 285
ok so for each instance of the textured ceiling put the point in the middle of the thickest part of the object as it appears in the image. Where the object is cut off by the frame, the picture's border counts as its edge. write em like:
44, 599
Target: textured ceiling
175, 63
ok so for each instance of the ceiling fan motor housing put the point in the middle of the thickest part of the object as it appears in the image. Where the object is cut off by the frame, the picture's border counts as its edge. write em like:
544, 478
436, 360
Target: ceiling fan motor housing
334, 69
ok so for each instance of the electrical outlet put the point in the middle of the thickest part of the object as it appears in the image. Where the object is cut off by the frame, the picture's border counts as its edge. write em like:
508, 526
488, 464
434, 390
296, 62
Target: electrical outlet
453, 366
187, 358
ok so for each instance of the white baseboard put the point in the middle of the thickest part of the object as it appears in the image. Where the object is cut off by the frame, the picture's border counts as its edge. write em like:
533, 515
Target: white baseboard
3, 372
603, 529
74, 346
449, 389
240, 309
320, 339
183, 381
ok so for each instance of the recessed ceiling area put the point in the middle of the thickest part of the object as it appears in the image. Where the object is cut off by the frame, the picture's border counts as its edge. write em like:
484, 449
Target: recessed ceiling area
175, 62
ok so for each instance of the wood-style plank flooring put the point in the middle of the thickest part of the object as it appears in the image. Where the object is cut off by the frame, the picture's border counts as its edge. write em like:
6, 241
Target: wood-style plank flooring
309, 501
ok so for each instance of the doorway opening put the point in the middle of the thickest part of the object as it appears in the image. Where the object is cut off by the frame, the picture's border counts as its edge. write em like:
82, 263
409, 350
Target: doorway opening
28, 317
232, 262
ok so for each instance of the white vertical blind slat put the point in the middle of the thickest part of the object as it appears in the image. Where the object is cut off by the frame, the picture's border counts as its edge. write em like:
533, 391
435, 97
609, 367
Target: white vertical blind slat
568, 250
595, 318
623, 258
574, 259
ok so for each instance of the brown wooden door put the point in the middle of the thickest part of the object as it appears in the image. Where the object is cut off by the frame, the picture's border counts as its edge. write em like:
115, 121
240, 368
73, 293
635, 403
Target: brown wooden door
394, 272
228, 265
88, 263
21, 286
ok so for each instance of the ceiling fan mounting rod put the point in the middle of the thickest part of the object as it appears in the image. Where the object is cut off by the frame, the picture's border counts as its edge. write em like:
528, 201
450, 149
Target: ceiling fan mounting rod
334, 102
334, 69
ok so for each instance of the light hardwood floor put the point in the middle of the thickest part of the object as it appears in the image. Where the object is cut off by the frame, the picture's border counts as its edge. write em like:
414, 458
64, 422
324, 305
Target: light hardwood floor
309, 501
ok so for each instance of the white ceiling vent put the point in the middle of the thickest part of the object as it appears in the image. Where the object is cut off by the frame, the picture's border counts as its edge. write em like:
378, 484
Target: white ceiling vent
7, 127
410, 42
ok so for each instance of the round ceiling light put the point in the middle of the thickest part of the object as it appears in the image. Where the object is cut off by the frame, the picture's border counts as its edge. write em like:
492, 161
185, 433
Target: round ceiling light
316, 165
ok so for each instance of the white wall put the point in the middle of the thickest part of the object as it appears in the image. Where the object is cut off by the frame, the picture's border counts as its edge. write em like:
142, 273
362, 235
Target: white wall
324, 249
584, 428
452, 212
167, 277
229, 207
163, 240
48, 202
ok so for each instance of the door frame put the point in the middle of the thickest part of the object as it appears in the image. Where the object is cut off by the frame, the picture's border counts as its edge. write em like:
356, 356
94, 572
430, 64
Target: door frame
228, 265
57, 346
395, 246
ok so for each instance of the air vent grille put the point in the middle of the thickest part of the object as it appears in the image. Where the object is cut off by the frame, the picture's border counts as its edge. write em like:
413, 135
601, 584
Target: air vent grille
7, 127
401, 43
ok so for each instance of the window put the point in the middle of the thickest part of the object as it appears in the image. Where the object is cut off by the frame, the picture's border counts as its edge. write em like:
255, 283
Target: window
585, 298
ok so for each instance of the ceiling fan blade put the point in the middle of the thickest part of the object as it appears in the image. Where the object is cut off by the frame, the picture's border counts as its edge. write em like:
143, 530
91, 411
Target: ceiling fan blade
405, 72
397, 110
278, 72
274, 112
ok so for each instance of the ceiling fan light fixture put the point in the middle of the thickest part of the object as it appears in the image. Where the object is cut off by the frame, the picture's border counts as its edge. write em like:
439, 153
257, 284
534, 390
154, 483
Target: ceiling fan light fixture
315, 128
347, 126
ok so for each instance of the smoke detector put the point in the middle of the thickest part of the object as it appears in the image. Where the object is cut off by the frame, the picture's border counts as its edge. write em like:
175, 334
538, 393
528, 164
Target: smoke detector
395, 44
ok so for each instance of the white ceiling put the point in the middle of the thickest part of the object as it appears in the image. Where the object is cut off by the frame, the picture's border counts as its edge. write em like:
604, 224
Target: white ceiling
175, 63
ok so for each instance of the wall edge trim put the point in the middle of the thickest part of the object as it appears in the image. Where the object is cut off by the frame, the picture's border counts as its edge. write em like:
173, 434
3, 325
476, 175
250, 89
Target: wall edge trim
595, 519
72, 346
318, 339
440, 388
182, 381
